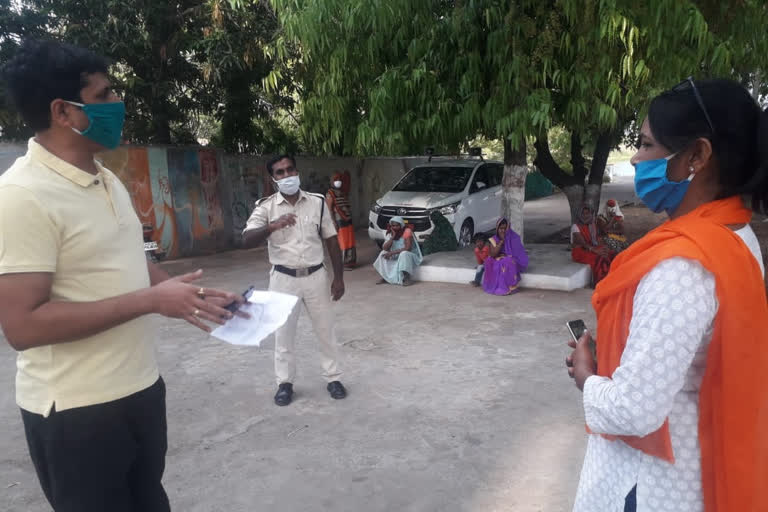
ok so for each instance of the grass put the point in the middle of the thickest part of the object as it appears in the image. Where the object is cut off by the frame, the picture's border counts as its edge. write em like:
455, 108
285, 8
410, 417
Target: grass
620, 155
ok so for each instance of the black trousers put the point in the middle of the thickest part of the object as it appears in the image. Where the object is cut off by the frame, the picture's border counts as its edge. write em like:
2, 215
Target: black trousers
630, 504
105, 457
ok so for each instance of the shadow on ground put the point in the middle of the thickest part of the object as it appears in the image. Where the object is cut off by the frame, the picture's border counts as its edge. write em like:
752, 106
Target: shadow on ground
458, 401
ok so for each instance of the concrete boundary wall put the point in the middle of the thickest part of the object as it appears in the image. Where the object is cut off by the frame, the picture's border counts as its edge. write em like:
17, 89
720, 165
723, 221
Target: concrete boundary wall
198, 199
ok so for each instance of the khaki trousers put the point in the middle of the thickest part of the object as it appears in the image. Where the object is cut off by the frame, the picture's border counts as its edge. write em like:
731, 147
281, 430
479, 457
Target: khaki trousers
314, 291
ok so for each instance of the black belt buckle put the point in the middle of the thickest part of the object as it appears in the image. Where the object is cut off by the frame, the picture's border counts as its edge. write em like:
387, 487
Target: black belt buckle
298, 272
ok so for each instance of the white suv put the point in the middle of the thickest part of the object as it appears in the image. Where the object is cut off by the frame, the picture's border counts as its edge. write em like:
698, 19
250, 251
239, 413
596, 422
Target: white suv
467, 192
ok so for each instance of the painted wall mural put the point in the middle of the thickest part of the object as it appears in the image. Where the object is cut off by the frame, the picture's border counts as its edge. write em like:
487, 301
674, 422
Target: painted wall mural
199, 199
166, 233
195, 204
234, 194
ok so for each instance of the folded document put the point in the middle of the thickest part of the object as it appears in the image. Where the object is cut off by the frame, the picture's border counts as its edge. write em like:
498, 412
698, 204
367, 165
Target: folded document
268, 310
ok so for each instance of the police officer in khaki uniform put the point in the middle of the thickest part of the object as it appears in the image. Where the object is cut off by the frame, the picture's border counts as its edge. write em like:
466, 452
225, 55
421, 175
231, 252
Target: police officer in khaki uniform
296, 223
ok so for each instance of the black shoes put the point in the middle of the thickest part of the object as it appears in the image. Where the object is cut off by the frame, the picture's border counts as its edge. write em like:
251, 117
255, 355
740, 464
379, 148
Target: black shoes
336, 389
284, 394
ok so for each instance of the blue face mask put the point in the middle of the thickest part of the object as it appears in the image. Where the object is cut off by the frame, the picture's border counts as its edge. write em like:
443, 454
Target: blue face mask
654, 188
106, 122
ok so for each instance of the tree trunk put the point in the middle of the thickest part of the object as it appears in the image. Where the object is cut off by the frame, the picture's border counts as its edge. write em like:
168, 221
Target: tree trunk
513, 185
573, 185
162, 28
547, 165
160, 122
754, 85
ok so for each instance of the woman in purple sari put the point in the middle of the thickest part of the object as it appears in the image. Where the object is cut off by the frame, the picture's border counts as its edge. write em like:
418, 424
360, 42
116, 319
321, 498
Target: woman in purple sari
505, 262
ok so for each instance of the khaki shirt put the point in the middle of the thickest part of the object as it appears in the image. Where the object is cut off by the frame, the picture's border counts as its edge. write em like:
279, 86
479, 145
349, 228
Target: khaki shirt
300, 245
83, 229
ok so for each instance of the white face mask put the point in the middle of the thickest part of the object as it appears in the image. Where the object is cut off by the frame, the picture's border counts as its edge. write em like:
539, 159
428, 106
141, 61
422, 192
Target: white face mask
336, 184
288, 186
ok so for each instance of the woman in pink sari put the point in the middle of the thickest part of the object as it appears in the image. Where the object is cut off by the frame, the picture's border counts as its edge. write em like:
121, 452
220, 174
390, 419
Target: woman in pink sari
506, 261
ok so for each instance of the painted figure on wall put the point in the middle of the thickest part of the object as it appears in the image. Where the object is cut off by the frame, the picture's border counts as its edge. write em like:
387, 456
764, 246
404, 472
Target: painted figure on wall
209, 178
166, 230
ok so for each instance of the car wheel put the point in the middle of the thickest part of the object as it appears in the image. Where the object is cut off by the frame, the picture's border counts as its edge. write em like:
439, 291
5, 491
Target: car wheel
465, 235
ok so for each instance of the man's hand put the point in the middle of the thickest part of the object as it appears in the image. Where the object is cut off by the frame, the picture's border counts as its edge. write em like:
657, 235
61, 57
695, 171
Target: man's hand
177, 298
581, 365
283, 222
337, 289
223, 302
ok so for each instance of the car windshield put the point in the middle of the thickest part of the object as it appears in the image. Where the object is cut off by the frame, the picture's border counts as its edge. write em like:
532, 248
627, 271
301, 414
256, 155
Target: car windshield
435, 179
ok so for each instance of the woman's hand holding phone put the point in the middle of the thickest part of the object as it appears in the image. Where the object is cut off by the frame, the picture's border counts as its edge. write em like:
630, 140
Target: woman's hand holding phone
582, 362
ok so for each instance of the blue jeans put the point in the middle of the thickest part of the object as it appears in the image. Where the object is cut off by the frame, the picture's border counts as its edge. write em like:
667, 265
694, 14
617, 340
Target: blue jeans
479, 272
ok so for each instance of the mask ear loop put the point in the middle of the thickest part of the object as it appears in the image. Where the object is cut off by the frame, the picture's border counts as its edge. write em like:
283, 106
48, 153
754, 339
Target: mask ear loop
81, 105
691, 169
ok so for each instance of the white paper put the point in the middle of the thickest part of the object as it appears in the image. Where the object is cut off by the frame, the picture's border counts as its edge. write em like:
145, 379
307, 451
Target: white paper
268, 310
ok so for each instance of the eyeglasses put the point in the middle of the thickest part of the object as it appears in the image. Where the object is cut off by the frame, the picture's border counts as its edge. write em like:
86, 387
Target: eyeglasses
689, 83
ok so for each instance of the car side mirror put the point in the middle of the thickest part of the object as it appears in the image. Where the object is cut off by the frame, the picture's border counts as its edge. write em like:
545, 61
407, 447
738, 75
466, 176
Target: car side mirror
481, 185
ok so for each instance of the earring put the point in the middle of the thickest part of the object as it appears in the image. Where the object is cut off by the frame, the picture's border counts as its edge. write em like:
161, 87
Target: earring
692, 170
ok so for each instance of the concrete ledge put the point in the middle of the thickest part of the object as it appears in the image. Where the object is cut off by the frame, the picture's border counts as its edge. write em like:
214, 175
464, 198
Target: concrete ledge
550, 268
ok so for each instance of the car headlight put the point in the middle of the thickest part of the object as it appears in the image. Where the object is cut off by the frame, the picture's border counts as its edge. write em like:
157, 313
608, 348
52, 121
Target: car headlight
450, 209
376, 208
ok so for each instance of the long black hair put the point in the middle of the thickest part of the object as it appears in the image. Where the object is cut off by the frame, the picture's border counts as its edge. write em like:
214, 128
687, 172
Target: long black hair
724, 112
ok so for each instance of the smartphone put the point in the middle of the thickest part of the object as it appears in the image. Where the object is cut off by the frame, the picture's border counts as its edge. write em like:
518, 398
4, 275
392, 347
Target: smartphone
577, 329
233, 306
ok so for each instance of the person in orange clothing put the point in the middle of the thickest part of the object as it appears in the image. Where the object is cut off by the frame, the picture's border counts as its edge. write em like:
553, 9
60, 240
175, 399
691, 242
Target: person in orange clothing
482, 250
676, 403
587, 246
338, 203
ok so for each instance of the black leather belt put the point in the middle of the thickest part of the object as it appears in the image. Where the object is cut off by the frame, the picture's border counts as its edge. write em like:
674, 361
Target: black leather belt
298, 272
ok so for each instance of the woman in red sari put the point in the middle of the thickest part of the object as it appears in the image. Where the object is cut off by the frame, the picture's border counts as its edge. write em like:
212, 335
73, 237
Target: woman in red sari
338, 203
587, 248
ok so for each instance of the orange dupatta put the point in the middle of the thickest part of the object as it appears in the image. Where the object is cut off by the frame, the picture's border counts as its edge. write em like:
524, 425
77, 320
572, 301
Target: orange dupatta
733, 399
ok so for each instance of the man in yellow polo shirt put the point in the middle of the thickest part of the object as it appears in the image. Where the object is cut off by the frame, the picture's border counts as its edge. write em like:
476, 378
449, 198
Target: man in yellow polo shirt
76, 289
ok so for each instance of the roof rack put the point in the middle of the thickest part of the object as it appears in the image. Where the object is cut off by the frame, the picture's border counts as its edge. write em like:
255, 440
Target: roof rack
475, 152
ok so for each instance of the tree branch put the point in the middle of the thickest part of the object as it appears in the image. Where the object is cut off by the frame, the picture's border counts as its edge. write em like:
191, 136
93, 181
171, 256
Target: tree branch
547, 165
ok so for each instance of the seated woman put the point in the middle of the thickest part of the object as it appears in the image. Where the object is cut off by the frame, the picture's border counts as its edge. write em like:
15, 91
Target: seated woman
507, 259
586, 246
442, 239
400, 254
610, 225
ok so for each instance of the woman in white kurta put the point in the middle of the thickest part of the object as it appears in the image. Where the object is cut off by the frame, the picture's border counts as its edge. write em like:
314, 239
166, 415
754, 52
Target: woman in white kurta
649, 404
400, 255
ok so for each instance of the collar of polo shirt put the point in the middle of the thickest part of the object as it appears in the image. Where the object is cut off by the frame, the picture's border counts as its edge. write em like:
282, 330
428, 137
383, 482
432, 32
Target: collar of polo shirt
65, 169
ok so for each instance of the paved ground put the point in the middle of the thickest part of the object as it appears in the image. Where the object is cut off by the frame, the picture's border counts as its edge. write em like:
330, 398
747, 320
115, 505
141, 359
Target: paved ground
458, 402
548, 215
